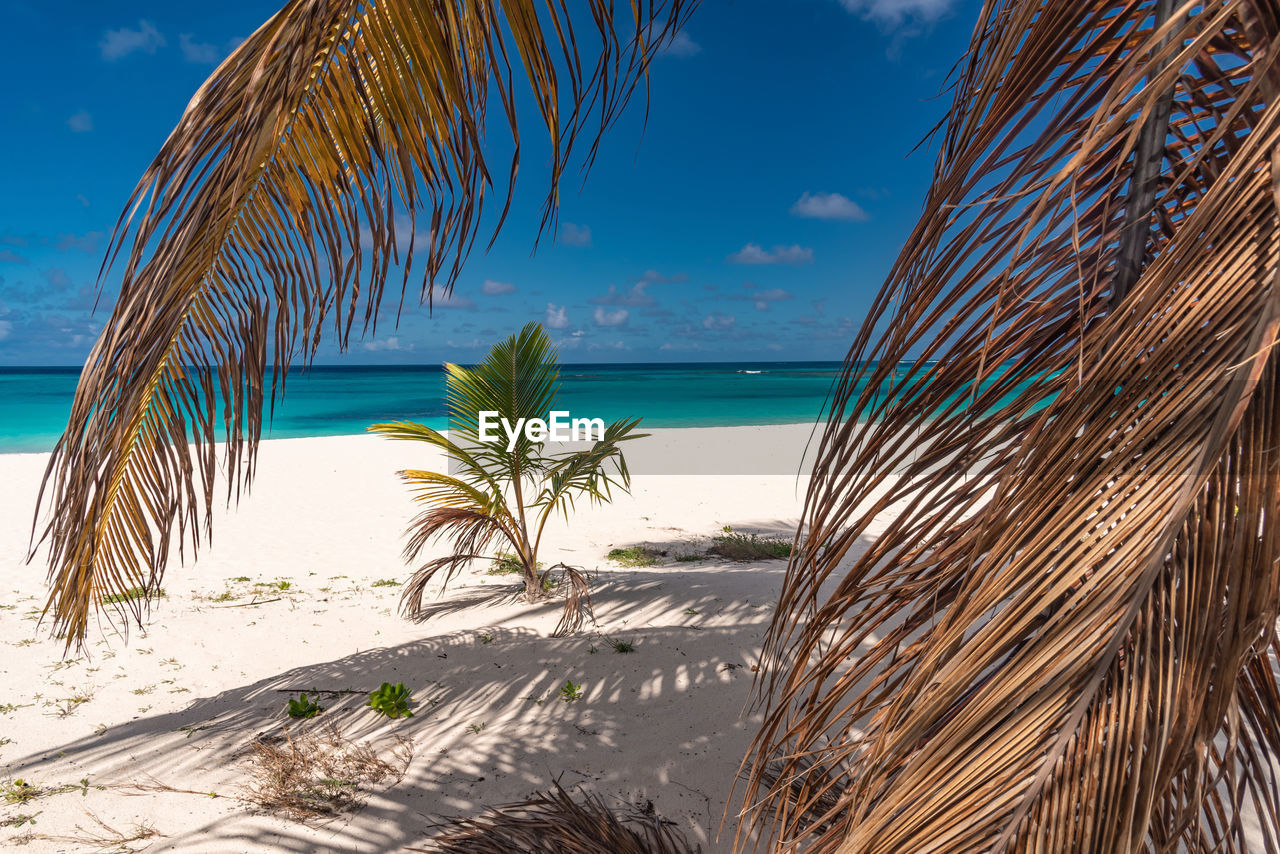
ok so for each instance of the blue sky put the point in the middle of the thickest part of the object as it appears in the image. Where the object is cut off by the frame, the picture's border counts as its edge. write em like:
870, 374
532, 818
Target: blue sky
753, 220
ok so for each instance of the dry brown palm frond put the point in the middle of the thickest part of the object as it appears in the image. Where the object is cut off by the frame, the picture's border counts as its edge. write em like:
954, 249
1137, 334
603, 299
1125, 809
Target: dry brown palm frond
472, 533
554, 823
270, 215
1065, 641
577, 599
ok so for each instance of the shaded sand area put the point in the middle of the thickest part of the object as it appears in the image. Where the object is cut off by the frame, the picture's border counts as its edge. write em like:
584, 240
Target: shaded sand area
299, 591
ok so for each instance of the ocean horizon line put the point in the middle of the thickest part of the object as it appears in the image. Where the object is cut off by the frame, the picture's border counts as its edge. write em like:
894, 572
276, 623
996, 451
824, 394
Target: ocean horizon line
341, 366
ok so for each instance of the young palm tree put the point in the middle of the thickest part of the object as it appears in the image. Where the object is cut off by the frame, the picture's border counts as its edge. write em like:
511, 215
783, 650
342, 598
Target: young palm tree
505, 491
1066, 639
272, 217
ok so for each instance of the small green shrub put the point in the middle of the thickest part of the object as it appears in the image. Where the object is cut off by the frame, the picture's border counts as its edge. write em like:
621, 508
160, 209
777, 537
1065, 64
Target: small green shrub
303, 707
391, 700
386, 582
636, 556
508, 564
19, 791
738, 546
242, 578
689, 558
130, 595
18, 821
571, 691
622, 647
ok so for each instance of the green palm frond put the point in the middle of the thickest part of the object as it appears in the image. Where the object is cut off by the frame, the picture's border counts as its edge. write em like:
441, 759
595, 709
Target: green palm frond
475, 468
518, 379
445, 491
588, 473
268, 221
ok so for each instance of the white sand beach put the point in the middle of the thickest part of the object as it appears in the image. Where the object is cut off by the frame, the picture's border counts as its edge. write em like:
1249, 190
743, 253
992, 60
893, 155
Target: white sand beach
178, 705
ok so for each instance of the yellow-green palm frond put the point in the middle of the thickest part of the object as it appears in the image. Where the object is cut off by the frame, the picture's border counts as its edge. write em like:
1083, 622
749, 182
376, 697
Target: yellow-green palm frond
268, 220
1067, 395
588, 473
476, 472
444, 490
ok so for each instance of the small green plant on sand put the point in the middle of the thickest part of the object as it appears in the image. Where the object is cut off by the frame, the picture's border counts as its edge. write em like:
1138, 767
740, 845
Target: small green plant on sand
391, 700
739, 546
130, 595
476, 729
386, 582
636, 556
18, 821
571, 691
19, 791
302, 707
622, 647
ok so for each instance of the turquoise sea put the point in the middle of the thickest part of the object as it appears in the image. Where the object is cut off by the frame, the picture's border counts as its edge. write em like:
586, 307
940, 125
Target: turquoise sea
343, 400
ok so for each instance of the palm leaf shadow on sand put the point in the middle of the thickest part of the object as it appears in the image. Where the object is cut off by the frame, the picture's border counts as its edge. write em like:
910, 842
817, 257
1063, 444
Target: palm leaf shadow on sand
644, 706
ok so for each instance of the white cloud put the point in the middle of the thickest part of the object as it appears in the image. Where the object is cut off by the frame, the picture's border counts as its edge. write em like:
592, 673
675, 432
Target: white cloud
557, 317
607, 345
636, 295
681, 345
653, 277
890, 14
119, 43
682, 46
761, 299
5, 328
574, 235
442, 300
754, 253
603, 317
80, 122
392, 343
492, 288
828, 206
719, 322
198, 52
573, 342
